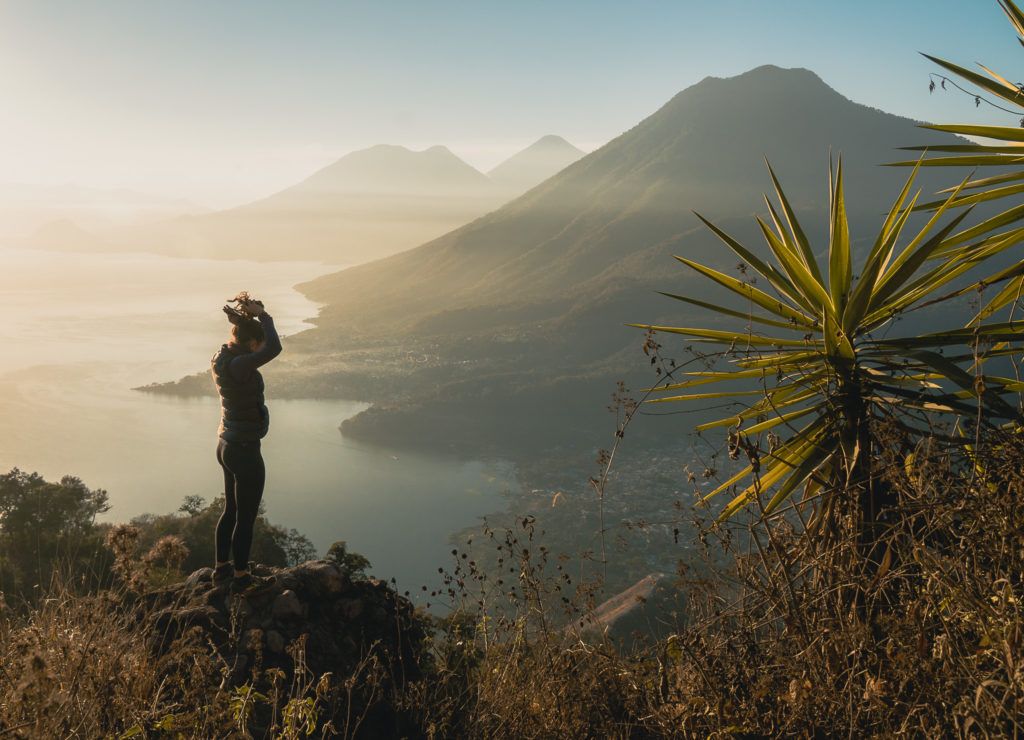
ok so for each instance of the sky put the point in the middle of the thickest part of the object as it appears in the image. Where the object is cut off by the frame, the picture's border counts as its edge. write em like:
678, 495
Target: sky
223, 102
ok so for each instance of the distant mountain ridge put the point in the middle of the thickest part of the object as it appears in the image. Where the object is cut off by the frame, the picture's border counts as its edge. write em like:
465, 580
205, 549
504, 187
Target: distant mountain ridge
26, 208
391, 169
368, 204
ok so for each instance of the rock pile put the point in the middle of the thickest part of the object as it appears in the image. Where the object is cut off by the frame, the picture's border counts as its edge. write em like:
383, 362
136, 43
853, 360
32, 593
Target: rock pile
337, 620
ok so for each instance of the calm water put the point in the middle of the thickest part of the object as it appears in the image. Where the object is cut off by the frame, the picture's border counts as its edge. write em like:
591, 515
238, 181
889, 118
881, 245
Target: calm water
79, 331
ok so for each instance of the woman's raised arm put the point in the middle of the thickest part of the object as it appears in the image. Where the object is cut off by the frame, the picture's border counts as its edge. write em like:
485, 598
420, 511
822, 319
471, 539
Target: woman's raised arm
242, 365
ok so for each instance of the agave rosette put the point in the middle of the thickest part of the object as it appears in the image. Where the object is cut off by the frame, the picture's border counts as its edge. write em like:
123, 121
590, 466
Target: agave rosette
814, 334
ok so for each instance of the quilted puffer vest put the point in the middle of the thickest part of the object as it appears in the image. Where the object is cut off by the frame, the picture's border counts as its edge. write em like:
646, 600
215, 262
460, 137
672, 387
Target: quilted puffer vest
244, 415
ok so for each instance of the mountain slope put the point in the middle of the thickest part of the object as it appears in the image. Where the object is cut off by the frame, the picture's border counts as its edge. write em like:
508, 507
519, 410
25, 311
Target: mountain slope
535, 164
509, 331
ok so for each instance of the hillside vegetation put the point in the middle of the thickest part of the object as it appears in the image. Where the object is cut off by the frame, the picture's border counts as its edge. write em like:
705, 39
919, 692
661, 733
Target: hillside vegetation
779, 637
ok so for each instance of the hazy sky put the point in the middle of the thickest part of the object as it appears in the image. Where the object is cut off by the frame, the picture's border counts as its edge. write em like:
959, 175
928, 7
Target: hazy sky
225, 101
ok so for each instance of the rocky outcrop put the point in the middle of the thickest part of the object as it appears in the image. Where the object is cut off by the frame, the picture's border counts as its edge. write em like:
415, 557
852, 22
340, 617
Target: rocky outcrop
314, 613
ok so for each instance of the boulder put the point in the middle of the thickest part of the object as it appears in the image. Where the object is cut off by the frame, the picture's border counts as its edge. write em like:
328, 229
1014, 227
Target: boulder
275, 641
286, 607
197, 577
350, 609
176, 620
324, 576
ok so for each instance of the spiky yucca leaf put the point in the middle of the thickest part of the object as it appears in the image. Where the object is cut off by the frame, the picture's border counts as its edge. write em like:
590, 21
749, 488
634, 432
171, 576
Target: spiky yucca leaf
1009, 153
832, 351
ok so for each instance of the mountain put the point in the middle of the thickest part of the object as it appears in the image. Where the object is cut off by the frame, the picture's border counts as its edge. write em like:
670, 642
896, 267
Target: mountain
387, 170
614, 218
508, 333
368, 204
535, 164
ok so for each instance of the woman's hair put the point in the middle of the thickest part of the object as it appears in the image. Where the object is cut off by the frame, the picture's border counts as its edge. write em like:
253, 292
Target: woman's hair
244, 328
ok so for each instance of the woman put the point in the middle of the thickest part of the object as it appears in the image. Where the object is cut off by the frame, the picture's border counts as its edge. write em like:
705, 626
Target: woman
244, 422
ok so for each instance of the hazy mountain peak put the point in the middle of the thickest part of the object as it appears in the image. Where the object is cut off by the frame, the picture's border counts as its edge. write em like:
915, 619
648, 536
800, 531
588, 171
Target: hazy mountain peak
369, 203
533, 165
392, 168
379, 148
555, 141
394, 152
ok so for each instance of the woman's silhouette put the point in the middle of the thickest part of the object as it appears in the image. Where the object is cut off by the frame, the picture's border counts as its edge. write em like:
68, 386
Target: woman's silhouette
244, 422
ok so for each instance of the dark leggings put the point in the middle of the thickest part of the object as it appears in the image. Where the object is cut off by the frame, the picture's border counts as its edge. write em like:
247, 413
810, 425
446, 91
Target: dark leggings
244, 476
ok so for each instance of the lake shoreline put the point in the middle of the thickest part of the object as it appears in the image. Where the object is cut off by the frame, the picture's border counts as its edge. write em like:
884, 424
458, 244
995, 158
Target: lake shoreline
83, 330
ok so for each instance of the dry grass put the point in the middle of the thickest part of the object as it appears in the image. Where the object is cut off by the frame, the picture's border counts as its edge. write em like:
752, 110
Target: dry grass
83, 666
799, 635
77, 666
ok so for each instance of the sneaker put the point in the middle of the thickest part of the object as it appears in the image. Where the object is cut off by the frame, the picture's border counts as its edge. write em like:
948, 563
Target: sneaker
250, 584
222, 574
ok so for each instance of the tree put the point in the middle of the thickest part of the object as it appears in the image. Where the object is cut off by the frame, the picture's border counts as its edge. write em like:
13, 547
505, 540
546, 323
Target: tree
298, 548
45, 525
272, 544
355, 564
192, 505
829, 373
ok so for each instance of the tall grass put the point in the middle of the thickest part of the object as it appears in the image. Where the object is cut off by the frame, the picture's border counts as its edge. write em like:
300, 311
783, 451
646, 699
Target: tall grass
794, 634
797, 634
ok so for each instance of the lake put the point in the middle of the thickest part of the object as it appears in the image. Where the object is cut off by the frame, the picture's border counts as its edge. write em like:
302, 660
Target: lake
80, 330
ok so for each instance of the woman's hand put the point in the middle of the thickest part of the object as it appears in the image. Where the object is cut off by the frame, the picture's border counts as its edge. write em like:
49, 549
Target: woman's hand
252, 308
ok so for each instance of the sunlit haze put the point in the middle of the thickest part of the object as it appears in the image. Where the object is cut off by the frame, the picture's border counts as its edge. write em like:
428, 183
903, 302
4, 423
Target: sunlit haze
221, 103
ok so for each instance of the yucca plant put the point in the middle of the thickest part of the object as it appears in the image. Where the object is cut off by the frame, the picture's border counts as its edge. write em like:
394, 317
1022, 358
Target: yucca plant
816, 347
